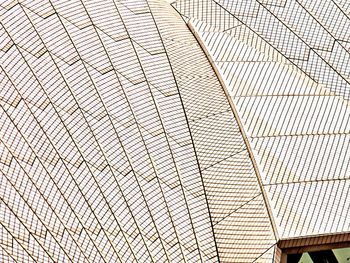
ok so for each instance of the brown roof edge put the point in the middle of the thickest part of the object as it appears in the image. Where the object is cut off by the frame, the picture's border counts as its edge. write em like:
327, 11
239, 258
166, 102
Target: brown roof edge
314, 243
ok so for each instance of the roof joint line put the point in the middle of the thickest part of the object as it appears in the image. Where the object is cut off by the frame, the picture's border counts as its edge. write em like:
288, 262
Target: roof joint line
238, 119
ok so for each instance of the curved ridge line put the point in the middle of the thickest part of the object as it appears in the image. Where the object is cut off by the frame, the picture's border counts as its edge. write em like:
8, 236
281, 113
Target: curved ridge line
240, 125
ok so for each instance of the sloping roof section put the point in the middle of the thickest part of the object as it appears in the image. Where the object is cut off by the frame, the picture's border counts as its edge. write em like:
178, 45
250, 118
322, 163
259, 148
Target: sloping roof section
292, 96
241, 223
310, 35
97, 161
118, 143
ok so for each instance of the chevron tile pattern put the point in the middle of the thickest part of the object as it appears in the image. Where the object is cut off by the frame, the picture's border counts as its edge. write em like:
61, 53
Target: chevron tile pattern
127, 135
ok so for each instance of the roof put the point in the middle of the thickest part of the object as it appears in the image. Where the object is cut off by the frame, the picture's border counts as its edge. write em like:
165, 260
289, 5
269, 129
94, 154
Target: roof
283, 64
128, 136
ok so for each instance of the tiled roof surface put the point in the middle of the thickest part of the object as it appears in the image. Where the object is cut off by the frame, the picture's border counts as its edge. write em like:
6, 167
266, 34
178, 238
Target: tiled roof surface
296, 119
125, 137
